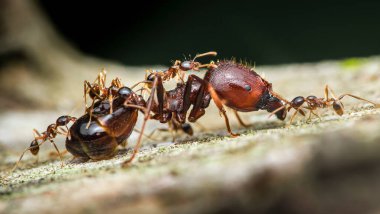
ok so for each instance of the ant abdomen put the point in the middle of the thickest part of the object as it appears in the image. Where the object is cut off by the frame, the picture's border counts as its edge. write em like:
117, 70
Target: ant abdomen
338, 108
92, 142
34, 147
99, 139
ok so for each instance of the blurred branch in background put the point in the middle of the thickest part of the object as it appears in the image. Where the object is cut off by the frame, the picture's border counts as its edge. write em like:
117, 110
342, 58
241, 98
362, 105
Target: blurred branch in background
35, 61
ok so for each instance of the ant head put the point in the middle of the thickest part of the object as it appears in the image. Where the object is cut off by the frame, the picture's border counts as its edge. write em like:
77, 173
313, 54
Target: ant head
297, 102
34, 147
192, 64
63, 120
125, 92
338, 108
187, 65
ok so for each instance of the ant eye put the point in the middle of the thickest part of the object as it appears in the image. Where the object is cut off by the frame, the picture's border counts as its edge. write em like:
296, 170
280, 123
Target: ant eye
247, 87
186, 65
124, 92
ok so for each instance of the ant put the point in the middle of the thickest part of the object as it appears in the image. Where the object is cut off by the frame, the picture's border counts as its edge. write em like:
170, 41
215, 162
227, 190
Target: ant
51, 132
226, 82
98, 91
313, 103
179, 68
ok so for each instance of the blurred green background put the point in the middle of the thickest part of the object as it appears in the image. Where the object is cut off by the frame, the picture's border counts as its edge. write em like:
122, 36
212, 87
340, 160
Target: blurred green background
266, 32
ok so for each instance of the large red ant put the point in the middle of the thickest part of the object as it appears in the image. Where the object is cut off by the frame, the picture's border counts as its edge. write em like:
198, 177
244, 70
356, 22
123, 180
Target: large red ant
312, 103
226, 82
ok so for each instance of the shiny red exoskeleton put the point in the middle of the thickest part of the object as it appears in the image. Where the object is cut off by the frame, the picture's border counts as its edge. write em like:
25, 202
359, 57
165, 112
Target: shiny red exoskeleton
239, 87
226, 82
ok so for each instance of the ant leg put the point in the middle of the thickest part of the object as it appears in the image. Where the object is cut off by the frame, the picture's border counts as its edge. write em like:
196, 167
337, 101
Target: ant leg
277, 110
102, 76
90, 109
209, 65
160, 96
22, 155
326, 92
172, 131
85, 95
56, 148
55, 154
186, 98
149, 136
219, 104
377, 105
240, 120
90, 113
198, 109
146, 118
200, 126
145, 81
293, 116
110, 102
315, 114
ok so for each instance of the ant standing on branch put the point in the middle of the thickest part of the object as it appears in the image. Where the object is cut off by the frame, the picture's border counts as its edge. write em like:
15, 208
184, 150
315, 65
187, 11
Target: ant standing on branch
312, 103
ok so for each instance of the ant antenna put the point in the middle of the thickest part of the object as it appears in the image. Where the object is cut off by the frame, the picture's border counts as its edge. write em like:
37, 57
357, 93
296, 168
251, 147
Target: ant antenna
210, 53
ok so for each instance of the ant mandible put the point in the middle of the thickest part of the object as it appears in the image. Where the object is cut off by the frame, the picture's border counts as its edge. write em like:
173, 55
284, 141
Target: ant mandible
313, 103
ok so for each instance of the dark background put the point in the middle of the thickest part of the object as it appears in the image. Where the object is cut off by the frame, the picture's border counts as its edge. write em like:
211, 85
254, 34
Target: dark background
266, 32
